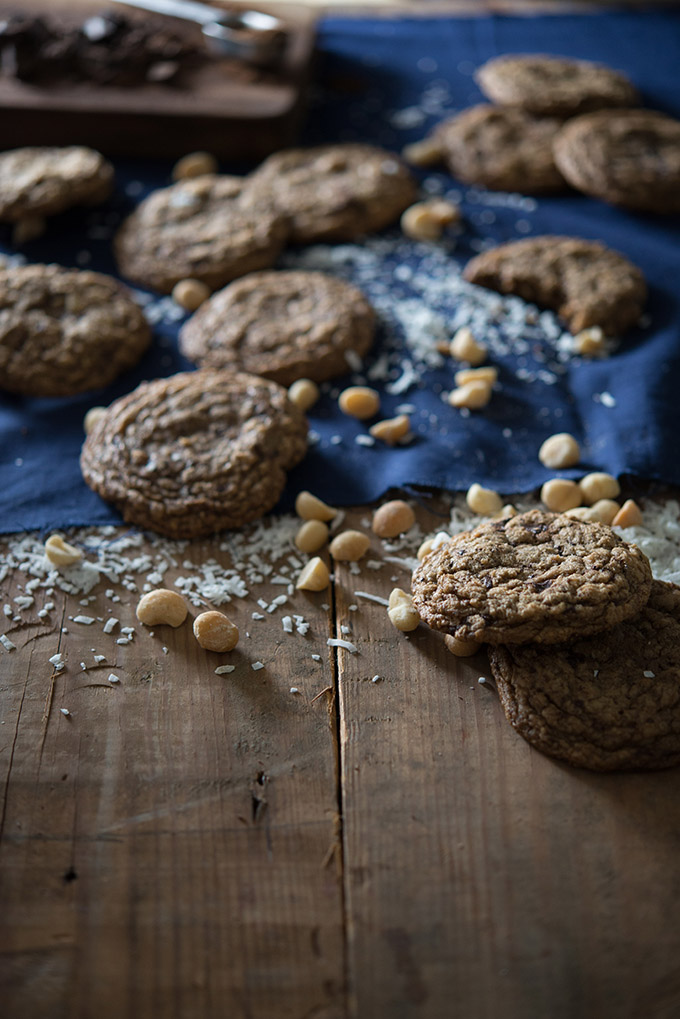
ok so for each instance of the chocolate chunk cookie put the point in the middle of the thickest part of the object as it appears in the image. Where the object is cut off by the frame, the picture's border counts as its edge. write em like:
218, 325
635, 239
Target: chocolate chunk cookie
43, 181
557, 86
537, 577
282, 325
64, 331
626, 157
333, 192
586, 283
199, 229
195, 453
501, 149
609, 703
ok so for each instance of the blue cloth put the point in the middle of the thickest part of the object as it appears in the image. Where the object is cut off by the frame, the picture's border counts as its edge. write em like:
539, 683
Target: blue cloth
389, 81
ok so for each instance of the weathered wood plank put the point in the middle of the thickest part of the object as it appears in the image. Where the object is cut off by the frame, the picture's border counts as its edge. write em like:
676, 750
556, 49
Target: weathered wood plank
168, 846
481, 878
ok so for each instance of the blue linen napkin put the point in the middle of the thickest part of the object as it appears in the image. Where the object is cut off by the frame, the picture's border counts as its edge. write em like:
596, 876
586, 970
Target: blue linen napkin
388, 82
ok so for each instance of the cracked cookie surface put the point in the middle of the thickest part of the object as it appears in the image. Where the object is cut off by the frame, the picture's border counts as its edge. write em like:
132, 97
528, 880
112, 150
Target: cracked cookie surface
41, 181
65, 331
557, 86
282, 325
198, 229
626, 157
502, 149
536, 577
586, 283
196, 452
333, 192
608, 703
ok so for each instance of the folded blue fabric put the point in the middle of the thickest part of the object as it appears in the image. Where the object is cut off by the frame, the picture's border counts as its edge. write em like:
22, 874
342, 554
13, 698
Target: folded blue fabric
388, 82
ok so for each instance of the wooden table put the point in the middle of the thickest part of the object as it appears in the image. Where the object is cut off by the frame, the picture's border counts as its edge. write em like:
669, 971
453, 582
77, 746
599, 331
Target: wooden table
186, 844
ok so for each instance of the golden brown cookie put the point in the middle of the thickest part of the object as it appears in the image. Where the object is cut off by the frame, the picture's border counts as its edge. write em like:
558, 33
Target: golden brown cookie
626, 157
64, 331
586, 283
41, 181
333, 192
282, 325
501, 149
198, 229
535, 578
609, 703
196, 452
553, 86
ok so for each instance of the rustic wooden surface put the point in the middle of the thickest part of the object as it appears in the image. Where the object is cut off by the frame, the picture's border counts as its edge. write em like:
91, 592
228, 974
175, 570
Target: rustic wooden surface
186, 844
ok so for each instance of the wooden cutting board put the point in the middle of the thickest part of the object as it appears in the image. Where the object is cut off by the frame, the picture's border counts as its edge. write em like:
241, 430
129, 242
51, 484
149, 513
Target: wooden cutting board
237, 113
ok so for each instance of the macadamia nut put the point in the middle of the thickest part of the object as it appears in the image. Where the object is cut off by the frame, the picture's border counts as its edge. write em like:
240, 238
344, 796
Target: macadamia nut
303, 393
393, 518
314, 576
598, 485
401, 611
359, 402
461, 648
161, 607
190, 294
60, 553
560, 450
474, 395
312, 536
92, 417
427, 152
215, 632
464, 347
629, 515
349, 546
560, 494
391, 430
484, 501
309, 507
194, 164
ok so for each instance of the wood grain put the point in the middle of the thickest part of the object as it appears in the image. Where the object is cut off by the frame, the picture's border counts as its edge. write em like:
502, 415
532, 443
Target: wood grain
184, 844
481, 878
168, 848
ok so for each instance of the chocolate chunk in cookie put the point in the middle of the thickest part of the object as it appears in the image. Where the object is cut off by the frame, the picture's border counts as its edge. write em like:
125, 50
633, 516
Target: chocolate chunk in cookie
626, 157
557, 86
609, 703
333, 192
586, 283
195, 453
282, 325
44, 181
198, 229
64, 331
537, 577
501, 149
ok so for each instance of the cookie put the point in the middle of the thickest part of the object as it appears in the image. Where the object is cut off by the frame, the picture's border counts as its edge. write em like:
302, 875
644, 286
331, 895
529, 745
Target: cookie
626, 157
196, 452
65, 331
282, 325
43, 181
501, 149
609, 703
333, 192
553, 86
586, 283
537, 577
198, 229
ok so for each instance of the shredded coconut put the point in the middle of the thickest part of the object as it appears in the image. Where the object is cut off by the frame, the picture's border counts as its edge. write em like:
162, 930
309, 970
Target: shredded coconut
346, 644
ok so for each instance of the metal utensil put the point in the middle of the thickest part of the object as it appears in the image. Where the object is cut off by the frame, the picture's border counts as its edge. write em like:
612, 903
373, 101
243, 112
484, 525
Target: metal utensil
253, 36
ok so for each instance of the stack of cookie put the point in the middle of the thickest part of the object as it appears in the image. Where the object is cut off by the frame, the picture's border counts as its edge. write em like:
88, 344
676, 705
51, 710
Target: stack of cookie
557, 122
583, 643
